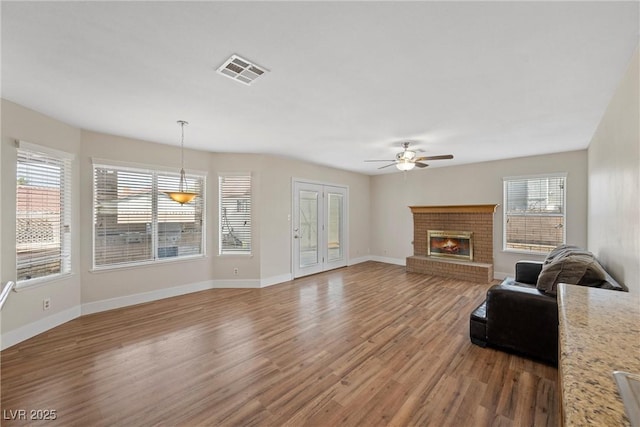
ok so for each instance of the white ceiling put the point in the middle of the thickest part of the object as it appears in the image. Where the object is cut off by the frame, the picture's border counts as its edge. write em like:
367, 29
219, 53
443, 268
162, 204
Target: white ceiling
348, 81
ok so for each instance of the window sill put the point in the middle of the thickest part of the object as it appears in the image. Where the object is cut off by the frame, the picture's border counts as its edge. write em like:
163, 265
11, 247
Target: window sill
525, 252
41, 281
151, 263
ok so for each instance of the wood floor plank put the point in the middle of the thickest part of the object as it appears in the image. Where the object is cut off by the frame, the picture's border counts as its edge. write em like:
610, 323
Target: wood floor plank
369, 344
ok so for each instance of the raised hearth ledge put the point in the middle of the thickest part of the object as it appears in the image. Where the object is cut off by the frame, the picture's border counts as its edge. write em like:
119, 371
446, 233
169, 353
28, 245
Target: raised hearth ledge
454, 209
454, 269
453, 261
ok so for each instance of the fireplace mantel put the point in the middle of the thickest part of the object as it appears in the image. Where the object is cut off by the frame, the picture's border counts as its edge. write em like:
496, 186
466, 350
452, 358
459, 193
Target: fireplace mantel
454, 209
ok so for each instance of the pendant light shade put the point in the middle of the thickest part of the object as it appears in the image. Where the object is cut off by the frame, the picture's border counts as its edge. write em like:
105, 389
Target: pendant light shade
183, 195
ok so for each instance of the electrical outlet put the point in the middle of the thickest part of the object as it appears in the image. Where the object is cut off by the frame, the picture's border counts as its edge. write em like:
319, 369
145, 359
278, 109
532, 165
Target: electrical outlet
46, 304
235, 271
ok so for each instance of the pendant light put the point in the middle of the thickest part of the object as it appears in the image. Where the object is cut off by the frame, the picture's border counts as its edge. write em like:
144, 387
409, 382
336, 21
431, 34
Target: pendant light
183, 195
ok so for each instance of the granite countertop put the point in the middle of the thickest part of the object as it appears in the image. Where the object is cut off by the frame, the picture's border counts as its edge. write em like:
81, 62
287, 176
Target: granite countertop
599, 332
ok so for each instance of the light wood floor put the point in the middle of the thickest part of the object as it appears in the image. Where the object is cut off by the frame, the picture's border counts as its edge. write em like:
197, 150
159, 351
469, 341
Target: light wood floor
364, 345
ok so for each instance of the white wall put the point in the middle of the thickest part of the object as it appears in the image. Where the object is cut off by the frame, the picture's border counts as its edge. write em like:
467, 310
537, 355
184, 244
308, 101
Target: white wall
271, 182
272, 205
2, 283
118, 283
480, 183
276, 201
614, 183
380, 222
24, 309
87, 291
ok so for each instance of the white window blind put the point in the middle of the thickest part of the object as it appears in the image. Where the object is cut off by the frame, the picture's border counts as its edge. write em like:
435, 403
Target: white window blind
43, 213
235, 214
534, 213
136, 222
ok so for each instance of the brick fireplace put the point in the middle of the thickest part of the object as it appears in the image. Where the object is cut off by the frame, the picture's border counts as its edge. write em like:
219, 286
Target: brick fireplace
476, 220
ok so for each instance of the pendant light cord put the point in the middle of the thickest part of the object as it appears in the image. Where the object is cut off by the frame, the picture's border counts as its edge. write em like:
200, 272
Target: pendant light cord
183, 180
182, 146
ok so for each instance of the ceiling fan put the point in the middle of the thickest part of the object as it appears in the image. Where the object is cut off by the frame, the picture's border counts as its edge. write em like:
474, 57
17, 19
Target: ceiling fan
407, 160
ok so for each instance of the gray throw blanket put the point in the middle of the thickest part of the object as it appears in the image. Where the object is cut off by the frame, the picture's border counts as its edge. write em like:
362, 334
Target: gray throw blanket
573, 265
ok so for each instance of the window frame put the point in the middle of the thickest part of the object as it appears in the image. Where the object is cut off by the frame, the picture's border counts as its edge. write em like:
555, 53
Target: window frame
221, 252
155, 172
506, 213
66, 162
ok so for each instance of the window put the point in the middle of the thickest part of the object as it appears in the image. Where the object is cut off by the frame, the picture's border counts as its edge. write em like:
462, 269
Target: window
534, 213
136, 222
235, 214
43, 212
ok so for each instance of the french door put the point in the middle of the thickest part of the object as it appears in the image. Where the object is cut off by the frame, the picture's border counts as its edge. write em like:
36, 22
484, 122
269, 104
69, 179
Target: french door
319, 227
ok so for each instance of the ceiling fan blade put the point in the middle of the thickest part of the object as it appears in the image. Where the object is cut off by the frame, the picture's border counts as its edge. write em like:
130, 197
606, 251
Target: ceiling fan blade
421, 165
379, 160
386, 166
442, 157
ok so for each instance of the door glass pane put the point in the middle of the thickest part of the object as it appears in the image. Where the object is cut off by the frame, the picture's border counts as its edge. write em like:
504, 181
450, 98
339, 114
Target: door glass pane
308, 228
334, 223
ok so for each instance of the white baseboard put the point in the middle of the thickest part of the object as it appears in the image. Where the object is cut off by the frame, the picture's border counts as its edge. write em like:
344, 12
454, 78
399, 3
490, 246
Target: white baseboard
127, 300
359, 260
396, 261
32, 329
235, 284
270, 281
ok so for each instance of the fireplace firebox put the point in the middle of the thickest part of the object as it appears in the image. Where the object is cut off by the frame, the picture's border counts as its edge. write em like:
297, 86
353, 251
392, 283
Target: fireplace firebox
450, 244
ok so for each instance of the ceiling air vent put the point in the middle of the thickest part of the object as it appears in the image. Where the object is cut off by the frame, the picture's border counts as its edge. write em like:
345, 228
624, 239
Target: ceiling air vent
241, 70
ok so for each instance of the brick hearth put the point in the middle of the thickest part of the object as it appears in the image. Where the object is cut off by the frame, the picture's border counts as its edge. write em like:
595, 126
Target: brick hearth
475, 218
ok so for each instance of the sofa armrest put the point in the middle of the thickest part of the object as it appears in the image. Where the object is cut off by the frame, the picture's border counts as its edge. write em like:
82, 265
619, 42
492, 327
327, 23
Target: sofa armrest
528, 271
523, 320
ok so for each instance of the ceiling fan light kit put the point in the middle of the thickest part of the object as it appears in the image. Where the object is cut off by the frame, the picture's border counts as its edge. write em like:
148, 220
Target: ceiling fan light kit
405, 165
406, 154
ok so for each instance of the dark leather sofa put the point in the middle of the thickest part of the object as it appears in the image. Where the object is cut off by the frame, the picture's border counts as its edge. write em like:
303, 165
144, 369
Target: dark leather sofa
520, 315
